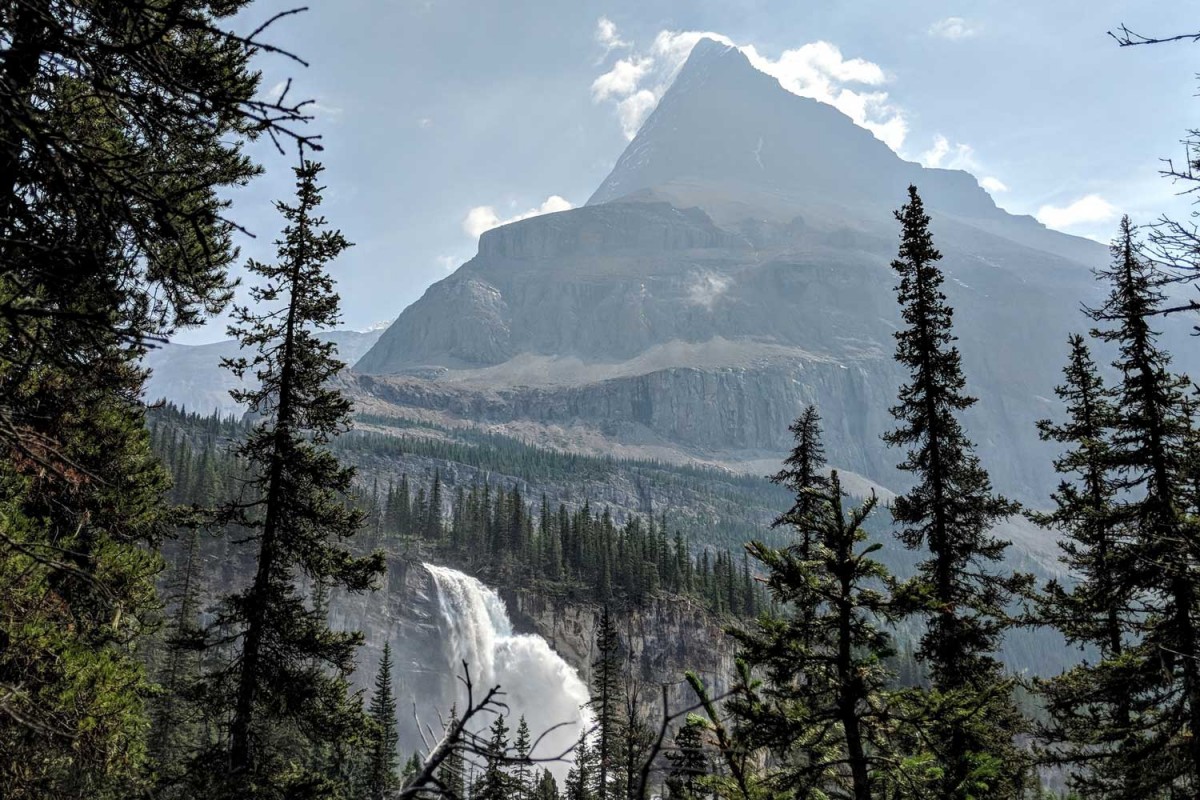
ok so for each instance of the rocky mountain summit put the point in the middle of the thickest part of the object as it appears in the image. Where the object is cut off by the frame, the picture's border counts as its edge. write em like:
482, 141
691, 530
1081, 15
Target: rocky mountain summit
733, 267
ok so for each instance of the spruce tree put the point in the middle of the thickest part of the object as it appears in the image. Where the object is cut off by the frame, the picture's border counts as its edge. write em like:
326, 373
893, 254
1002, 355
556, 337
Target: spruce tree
495, 783
606, 705
522, 773
961, 590
290, 686
824, 666
1089, 704
382, 779
1148, 453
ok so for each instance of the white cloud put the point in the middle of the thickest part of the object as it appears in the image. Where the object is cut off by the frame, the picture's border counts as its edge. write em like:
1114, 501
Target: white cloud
483, 218
817, 70
1092, 208
425, 122
285, 92
634, 109
606, 34
447, 262
993, 184
622, 79
319, 109
820, 71
947, 156
952, 28
943, 154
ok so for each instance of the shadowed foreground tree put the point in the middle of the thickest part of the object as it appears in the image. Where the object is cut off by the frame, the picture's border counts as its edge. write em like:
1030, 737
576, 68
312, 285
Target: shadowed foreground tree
1148, 451
821, 709
287, 691
120, 124
960, 590
1090, 705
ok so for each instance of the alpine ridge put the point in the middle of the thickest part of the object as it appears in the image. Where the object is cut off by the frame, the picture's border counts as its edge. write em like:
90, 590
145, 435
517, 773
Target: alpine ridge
733, 267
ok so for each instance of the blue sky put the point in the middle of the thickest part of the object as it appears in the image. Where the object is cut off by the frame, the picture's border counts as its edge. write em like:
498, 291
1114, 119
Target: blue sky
442, 117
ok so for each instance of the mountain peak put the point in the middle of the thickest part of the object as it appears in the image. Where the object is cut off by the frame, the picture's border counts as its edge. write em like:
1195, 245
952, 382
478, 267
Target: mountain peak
729, 138
707, 47
709, 51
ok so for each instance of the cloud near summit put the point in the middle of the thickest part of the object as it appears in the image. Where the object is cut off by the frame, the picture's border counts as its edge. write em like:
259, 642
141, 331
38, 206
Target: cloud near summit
481, 219
636, 82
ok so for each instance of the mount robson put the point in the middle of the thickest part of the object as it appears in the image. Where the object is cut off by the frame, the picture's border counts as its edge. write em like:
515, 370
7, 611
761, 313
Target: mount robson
733, 268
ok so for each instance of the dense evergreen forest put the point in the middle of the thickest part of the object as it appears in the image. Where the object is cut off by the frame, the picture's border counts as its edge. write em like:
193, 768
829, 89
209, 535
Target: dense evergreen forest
490, 531
128, 669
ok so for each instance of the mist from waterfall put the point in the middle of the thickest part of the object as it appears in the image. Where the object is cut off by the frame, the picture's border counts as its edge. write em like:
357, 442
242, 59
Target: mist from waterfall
537, 682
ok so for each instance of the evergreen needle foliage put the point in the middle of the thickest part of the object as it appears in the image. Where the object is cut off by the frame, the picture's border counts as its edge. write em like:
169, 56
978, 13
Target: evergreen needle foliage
121, 124
1133, 715
821, 709
382, 778
960, 591
287, 690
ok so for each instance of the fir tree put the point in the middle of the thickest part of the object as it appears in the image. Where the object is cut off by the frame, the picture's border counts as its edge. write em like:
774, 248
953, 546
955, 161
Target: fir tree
1148, 441
803, 471
689, 763
606, 705
77, 568
122, 125
579, 781
381, 777
291, 673
174, 731
959, 590
637, 740
452, 773
829, 721
522, 773
546, 788
495, 784
1089, 704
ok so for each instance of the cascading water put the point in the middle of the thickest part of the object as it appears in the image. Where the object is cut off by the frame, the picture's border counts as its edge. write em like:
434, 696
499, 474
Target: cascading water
536, 681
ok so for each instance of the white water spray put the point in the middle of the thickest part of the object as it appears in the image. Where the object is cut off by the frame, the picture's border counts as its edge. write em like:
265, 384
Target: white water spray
536, 681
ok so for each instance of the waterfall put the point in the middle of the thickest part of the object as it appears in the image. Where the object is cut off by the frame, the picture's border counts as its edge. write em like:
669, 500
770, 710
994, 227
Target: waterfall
537, 682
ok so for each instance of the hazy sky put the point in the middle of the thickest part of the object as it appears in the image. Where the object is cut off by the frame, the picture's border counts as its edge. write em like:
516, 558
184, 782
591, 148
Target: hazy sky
443, 117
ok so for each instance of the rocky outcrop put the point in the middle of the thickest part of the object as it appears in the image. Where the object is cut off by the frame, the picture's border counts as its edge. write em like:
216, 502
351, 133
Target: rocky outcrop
738, 409
664, 637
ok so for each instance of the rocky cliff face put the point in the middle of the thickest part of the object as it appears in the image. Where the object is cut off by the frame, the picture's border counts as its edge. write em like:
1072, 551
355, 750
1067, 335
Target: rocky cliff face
733, 268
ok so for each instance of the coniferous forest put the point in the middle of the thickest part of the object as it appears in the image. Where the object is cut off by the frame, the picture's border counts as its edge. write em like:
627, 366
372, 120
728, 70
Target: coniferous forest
171, 582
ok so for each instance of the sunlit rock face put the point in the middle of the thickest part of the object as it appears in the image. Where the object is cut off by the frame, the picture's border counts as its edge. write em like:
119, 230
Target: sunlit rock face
733, 267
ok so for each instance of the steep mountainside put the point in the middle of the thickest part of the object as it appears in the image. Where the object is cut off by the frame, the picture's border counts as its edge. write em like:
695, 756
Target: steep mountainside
733, 267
